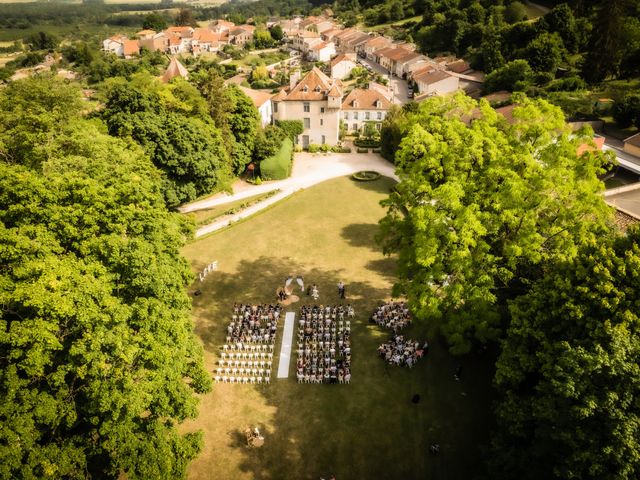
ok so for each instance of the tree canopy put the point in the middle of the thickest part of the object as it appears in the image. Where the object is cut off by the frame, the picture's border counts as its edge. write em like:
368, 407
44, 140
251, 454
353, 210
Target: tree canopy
482, 205
569, 371
173, 126
99, 359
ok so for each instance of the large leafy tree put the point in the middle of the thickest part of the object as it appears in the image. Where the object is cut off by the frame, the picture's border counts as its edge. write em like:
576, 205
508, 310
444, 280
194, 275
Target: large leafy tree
482, 205
233, 113
32, 114
569, 371
99, 362
172, 125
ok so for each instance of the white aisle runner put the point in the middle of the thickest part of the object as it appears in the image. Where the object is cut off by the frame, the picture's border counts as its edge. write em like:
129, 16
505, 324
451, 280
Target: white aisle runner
285, 351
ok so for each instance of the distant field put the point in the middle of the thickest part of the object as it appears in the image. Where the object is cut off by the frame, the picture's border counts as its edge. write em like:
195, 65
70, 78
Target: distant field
79, 32
375, 28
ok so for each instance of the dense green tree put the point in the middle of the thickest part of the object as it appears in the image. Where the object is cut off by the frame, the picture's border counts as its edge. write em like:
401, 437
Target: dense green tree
42, 41
482, 207
243, 120
515, 12
561, 20
545, 52
179, 137
396, 10
268, 142
99, 359
605, 48
185, 17
569, 371
276, 32
32, 113
262, 38
626, 111
515, 76
154, 21
491, 52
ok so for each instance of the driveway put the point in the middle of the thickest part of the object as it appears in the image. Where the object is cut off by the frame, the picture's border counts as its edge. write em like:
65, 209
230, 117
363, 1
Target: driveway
308, 170
400, 92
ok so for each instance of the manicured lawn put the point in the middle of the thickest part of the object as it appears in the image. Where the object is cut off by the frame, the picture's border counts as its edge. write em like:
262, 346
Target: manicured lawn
368, 429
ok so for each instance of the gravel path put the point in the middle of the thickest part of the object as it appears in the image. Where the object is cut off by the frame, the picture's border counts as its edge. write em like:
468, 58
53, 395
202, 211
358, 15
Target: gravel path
308, 170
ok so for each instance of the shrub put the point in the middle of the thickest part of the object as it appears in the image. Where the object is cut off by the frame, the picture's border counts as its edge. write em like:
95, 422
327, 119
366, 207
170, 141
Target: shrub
297, 148
258, 181
313, 148
339, 149
278, 166
376, 150
325, 148
366, 143
362, 150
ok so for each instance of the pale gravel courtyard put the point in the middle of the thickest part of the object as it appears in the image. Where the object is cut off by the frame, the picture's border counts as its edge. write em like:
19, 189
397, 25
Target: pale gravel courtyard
308, 169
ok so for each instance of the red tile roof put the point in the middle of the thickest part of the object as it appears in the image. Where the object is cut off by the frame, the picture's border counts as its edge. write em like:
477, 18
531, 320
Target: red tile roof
365, 100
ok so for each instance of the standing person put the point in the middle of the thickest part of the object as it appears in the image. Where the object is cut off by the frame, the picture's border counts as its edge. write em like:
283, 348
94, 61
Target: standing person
341, 289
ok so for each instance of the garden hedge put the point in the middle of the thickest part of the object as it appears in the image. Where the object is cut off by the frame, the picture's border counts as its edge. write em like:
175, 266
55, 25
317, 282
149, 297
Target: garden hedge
278, 166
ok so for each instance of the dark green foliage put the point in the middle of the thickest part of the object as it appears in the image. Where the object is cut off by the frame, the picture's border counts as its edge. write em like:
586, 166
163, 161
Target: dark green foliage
42, 41
99, 359
243, 120
515, 12
569, 375
291, 128
545, 53
185, 17
276, 32
515, 75
185, 145
268, 142
33, 113
278, 166
626, 111
154, 21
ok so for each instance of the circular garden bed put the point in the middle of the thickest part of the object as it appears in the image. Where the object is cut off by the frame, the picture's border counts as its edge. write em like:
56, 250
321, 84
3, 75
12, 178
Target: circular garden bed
366, 176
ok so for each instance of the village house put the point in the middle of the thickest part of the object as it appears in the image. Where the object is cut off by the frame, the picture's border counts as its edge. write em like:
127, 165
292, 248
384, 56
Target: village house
321, 52
316, 100
303, 40
205, 40
221, 26
262, 101
397, 60
342, 65
373, 45
121, 46
364, 106
632, 145
430, 81
241, 35
145, 34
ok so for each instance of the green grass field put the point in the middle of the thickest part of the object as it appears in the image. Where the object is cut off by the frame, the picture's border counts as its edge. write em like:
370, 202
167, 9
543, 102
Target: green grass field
368, 429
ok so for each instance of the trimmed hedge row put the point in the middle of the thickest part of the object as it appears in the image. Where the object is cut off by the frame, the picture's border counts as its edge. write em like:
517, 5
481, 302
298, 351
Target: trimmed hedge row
278, 166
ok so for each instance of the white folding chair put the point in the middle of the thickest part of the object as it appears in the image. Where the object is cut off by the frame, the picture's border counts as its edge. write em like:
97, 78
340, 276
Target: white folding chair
259, 379
225, 379
252, 380
216, 379
267, 380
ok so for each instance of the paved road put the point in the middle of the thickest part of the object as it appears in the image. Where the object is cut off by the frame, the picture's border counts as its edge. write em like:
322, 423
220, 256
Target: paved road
308, 170
401, 95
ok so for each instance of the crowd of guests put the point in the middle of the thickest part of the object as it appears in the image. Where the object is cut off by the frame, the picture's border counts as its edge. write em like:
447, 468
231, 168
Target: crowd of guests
324, 344
401, 352
253, 324
392, 315
247, 356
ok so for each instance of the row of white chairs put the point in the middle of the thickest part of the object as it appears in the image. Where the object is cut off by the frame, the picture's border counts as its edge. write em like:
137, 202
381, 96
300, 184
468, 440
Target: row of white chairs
247, 356
263, 372
248, 348
319, 379
261, 341
245, 380
245, 364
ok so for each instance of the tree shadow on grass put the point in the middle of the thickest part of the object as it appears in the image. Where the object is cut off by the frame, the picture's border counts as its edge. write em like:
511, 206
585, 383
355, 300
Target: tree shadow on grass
361, 235
382, 185
368, 429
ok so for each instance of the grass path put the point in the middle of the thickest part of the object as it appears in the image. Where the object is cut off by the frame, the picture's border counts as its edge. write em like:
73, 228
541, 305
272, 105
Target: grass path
365, 430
